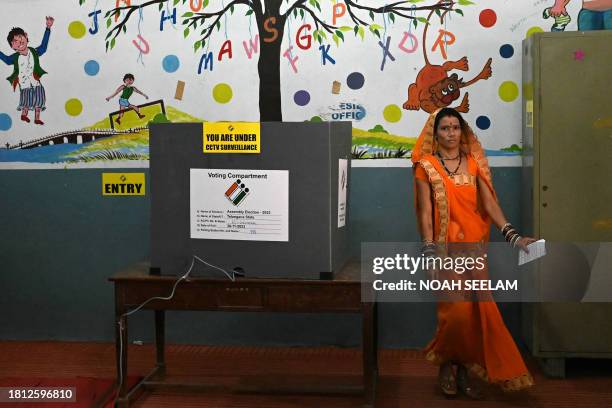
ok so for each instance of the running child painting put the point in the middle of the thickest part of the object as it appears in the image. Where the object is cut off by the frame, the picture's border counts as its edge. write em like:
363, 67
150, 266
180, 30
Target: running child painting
127, 89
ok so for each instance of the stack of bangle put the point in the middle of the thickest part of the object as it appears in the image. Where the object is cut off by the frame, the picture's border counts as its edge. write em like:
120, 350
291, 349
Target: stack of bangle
429, 248
510, 234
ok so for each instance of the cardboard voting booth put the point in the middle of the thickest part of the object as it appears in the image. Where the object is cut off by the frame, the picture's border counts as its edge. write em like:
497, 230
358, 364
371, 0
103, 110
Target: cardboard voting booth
266, 200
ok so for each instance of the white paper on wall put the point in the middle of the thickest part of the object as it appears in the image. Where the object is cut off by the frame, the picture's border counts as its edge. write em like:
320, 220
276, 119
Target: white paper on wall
342, 187
239, 204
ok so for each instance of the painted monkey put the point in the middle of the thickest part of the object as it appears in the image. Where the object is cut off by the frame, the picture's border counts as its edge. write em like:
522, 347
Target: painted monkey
433, 87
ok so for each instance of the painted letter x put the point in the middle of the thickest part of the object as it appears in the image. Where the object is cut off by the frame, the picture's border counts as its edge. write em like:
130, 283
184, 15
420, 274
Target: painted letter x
385, 53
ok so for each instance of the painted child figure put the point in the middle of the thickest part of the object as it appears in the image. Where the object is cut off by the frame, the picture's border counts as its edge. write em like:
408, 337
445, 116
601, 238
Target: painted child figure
127, 89
27, 71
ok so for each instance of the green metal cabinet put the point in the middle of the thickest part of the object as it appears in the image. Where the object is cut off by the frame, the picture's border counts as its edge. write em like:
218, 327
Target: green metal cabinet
567, 166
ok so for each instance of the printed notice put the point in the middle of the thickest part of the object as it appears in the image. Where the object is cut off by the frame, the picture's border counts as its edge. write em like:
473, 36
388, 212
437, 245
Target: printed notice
529, 113
232, 137
342, 186
239, 204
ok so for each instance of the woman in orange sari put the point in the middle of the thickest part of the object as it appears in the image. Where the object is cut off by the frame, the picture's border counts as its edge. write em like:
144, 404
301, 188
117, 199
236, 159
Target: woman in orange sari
455, 203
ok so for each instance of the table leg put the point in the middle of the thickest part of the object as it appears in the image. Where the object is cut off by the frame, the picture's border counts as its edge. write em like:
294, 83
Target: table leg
160, 341
369, 352
375, 335
121, 343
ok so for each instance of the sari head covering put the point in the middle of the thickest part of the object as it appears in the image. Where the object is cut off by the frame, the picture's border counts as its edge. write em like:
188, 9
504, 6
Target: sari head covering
423, 155
427, 145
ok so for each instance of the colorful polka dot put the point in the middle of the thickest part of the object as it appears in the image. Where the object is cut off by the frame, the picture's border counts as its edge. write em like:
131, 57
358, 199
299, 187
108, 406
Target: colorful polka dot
222, 93
92, 68
487, 18
392, 113
483, 122
5, 121
533, 30
355, 80
77, 29
301, 98
508, 91
74, 107
171, 63
506, 51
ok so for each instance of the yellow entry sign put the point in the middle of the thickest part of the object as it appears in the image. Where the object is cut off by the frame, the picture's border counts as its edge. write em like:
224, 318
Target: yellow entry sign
232, 137
123, 184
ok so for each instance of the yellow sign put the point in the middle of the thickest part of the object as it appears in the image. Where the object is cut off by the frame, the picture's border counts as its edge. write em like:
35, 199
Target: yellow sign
123, 184
232, 137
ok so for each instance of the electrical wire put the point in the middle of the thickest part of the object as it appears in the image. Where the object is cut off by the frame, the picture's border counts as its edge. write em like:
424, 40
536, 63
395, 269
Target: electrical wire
185, 277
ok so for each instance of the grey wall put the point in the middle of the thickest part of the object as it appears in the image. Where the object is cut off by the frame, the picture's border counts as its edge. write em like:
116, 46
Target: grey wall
60, 240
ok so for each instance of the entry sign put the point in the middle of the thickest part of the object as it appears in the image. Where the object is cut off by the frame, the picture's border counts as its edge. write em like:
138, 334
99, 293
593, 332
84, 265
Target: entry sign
232, 137
123, 184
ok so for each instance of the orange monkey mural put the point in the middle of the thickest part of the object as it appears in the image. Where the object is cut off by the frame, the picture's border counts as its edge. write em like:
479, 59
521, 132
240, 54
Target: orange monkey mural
434, 88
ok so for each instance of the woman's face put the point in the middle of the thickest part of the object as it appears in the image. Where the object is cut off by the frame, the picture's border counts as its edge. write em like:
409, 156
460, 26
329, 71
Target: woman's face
448, 132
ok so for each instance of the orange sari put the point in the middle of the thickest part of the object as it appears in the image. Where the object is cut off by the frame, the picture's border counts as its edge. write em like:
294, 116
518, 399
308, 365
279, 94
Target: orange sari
470, 333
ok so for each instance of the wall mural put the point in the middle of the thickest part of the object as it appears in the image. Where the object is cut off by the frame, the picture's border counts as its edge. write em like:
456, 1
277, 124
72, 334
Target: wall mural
87, 77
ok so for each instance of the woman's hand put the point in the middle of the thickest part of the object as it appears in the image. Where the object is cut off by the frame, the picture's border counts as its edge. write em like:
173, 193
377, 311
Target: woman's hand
523, 242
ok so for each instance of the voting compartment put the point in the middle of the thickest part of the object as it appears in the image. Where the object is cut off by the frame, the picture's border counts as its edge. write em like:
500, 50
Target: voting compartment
267, 202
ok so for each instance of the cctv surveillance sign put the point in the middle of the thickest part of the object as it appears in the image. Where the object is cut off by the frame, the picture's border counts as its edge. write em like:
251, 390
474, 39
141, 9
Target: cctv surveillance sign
232, 137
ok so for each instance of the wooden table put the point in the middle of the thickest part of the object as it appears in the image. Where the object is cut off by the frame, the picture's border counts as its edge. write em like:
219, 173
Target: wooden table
134, 285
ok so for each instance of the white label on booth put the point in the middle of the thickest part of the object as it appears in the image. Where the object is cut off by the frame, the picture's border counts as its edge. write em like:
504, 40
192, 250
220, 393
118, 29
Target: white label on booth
342, 186
235, 204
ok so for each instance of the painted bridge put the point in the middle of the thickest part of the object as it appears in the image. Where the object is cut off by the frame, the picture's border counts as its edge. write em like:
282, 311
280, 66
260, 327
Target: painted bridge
74, 136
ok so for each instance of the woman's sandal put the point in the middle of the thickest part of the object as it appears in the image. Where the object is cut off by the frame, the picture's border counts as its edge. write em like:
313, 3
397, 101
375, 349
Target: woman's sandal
466, 387
446, 380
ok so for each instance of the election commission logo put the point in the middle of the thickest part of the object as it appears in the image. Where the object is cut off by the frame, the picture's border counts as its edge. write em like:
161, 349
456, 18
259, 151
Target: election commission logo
236, 193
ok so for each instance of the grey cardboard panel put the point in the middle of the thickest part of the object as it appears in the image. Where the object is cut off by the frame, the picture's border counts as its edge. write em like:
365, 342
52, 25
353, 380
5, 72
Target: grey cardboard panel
305, 149
340, 148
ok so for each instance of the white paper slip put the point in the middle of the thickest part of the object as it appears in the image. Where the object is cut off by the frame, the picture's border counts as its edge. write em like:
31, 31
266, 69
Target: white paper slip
536, 250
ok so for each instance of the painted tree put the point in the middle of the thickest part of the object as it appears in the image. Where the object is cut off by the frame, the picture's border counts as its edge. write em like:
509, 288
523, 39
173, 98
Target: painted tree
272, 16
